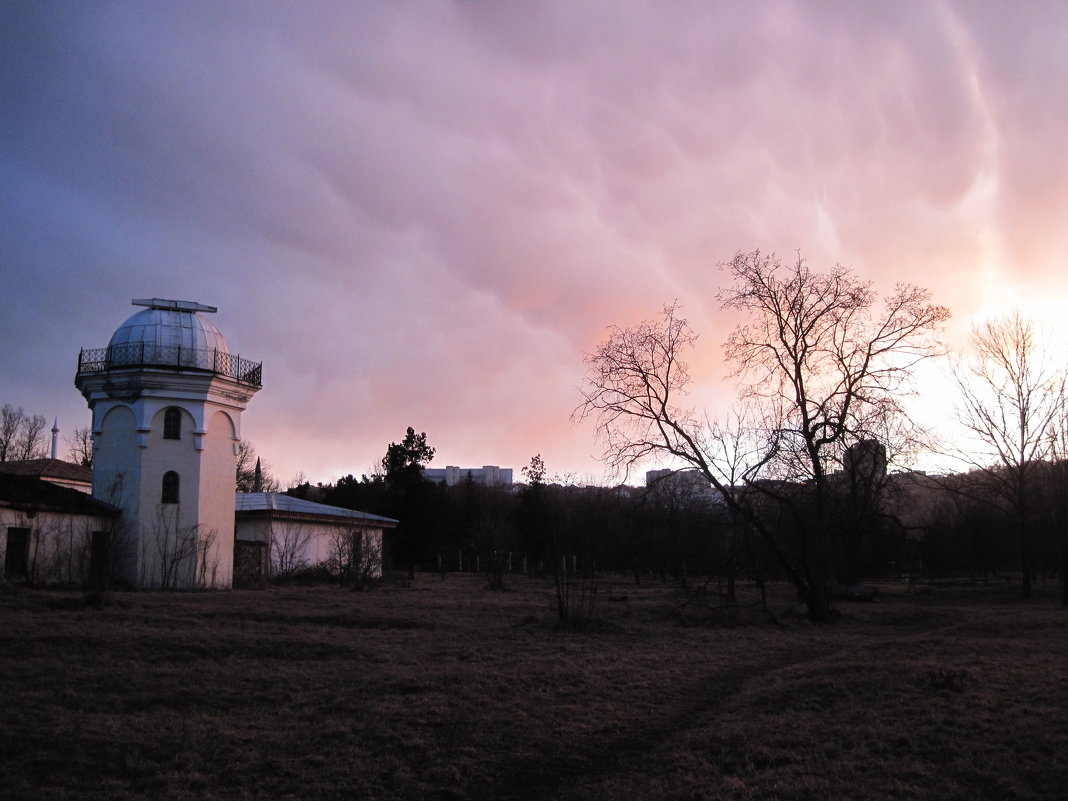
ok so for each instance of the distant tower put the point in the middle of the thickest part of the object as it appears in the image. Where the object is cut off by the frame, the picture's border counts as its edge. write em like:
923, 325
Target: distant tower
167, 396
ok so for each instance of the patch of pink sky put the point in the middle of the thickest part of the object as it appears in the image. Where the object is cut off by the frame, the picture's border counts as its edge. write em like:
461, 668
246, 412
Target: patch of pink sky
425, 214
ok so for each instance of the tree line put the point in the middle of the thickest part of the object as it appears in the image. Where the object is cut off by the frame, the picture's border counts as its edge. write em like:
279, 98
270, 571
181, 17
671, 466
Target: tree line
886, 525
803, 478
824, 368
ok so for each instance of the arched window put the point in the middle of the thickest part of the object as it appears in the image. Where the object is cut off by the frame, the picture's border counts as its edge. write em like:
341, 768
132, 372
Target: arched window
170, 487
172, 423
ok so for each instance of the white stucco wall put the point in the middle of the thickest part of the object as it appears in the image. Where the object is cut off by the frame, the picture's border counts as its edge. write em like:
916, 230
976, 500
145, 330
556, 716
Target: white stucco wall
306, 543
117, 476
218, 465
59, 544
183, 545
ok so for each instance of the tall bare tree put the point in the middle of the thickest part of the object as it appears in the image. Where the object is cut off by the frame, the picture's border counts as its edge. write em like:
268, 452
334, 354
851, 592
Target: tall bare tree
824, 363
1011, 403
247, 465
1059, 487
287, 545
21, 434
80, 446
10, 424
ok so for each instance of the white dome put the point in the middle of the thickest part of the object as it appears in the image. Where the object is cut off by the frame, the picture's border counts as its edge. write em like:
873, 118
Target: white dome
169, 334
170, 324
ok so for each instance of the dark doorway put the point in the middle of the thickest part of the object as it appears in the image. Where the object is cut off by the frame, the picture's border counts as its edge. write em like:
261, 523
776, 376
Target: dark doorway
17, 555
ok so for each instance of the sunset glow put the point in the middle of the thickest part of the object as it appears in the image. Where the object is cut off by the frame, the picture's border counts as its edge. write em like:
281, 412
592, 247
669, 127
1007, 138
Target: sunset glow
425, 214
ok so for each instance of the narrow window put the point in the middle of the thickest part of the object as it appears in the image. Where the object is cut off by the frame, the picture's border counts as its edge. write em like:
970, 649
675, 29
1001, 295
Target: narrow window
172, 423
170, 487
17, 555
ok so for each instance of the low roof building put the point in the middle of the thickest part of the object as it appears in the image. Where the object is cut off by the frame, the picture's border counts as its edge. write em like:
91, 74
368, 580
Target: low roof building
55, 471
276, 534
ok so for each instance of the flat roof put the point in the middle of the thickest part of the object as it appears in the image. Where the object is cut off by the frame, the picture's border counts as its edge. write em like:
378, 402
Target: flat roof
251, 502
35, 494
49, 468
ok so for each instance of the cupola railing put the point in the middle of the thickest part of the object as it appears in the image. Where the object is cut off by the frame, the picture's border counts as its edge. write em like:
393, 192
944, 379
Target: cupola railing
140, 354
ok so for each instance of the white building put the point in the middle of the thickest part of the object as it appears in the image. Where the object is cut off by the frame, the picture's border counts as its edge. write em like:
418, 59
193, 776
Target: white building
55, 471
166, 396
52, 534
686, 485
489, 475
277, 533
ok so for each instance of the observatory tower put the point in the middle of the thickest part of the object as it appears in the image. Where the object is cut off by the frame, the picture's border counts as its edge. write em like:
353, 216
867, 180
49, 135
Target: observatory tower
166, 396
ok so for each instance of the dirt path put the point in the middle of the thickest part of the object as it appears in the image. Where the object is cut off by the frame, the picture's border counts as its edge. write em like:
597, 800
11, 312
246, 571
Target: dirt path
580, 772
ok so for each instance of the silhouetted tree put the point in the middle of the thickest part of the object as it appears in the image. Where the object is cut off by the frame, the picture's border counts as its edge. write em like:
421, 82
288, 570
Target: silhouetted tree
80, 446
410, 498
821, 361
405, 461
21, 435
1012, 396
864, 473
247, 464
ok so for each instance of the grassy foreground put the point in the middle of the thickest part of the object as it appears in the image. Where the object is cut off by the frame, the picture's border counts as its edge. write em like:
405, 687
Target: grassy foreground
445, 690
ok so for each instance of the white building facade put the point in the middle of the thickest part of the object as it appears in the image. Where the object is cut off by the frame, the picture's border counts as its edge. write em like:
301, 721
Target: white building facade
489, 475
166, 397
276, 535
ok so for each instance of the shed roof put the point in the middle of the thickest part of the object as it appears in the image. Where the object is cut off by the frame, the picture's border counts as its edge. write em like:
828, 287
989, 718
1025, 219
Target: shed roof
252, 503
49, 468
33, 494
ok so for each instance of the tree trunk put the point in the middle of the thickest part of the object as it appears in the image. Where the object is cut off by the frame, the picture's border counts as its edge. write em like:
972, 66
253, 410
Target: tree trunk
818, 602
1064, 567
1025, 561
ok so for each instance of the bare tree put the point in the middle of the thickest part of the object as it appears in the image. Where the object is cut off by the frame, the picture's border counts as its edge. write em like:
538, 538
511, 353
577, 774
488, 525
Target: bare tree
21, 434
32, 443
820, 360
247, 465
10, 424
171, 547
355, 557
366, 562
737, 448
207, 560
80, 446
1059, 487
288, 541
1011, 403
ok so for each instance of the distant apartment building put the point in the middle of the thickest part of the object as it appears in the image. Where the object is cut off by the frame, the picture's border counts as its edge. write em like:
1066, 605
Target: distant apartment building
489, 475
681, 484
690, 480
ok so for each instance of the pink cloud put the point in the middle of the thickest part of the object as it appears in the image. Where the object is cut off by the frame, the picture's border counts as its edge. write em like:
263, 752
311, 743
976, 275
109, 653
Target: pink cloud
424, 214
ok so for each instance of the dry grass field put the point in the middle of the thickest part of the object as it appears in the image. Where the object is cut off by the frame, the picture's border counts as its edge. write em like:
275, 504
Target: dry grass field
444, 690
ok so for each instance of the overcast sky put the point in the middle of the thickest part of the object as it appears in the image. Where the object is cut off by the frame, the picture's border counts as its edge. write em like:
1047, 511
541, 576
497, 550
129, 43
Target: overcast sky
424, 213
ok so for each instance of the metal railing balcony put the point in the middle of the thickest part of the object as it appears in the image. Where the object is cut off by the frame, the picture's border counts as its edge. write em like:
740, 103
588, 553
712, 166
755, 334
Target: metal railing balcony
140, 354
